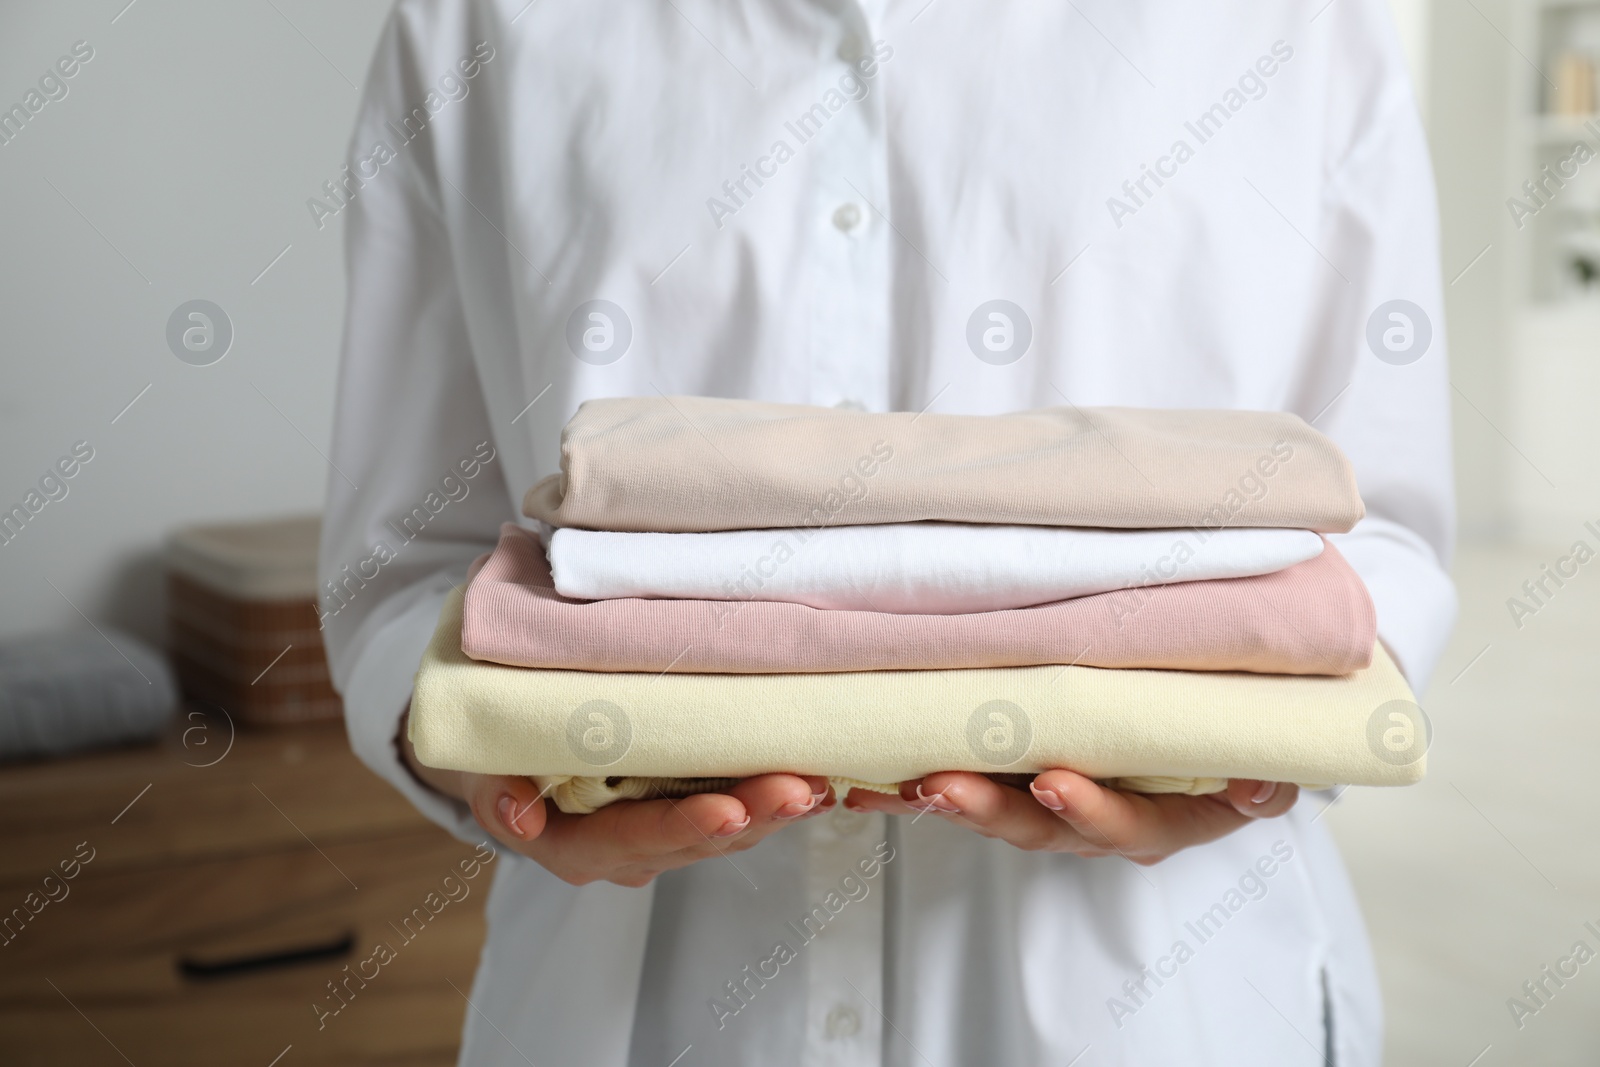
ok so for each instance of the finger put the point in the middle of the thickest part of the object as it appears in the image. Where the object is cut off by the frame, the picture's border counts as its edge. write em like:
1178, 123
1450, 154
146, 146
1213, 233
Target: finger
1103, 817
931, 794
1136, 826
996, 810
1261, 800
647, 831
780, 797
770, 802
871, 801
511, 809
911, 800
631, 831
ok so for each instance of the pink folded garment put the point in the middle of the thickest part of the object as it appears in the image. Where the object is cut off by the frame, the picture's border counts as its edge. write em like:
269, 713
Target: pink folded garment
1313, 618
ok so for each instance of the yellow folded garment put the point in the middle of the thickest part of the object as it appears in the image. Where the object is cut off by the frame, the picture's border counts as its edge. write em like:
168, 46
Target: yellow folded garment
584, 733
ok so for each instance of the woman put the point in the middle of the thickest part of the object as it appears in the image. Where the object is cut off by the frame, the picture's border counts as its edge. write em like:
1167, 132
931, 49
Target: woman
968, 208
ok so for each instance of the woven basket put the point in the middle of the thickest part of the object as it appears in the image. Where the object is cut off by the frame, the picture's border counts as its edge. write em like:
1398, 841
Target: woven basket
242, 620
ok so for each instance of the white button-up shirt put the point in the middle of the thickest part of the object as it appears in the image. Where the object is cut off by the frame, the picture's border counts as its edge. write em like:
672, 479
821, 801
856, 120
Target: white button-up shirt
897, 206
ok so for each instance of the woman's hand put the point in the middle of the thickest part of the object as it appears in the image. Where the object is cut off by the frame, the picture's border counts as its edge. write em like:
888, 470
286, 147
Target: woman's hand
1067, 812
631, 841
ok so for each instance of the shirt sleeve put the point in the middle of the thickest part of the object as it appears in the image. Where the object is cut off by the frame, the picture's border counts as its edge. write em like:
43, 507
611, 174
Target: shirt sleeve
1391, 414
416, 490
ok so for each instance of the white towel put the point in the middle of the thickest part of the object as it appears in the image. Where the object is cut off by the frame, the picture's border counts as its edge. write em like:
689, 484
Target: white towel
915, 568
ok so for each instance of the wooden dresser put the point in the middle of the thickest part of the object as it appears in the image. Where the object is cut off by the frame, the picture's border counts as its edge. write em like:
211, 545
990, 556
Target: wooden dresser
224, 889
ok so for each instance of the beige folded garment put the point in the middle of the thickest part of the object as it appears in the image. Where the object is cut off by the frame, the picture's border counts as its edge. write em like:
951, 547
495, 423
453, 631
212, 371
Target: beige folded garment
683, 464
891, 726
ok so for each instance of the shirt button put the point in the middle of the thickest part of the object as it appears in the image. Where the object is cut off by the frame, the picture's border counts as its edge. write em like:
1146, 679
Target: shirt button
850, 48
846, 217
842, 1021
850, 405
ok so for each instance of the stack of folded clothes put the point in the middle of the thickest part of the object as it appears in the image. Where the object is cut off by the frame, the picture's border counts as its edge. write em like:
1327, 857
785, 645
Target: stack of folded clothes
722, 588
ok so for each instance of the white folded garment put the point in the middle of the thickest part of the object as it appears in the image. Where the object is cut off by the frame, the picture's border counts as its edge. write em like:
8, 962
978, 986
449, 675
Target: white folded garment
913, 568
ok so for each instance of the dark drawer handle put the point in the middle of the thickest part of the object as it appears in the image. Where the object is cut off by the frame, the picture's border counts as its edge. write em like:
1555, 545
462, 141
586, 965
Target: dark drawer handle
338, 946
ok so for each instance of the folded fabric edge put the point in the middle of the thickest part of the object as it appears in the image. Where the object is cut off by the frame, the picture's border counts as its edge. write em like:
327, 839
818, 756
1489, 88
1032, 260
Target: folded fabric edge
543, 501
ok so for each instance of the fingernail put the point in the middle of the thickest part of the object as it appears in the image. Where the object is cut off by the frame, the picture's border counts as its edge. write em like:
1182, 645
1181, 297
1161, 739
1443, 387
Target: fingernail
1048, 798
854, 804
938, 802
796, 809
508, 812
733, 826
818, 798
1264, 792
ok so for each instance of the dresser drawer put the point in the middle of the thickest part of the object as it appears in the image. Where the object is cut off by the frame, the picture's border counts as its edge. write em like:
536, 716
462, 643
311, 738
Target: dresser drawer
239, 1026
221, 880
210, 788
229, 960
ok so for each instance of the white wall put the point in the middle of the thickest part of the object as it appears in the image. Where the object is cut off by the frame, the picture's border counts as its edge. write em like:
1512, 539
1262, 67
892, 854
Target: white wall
1462, 66
1470, 70
189, 144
